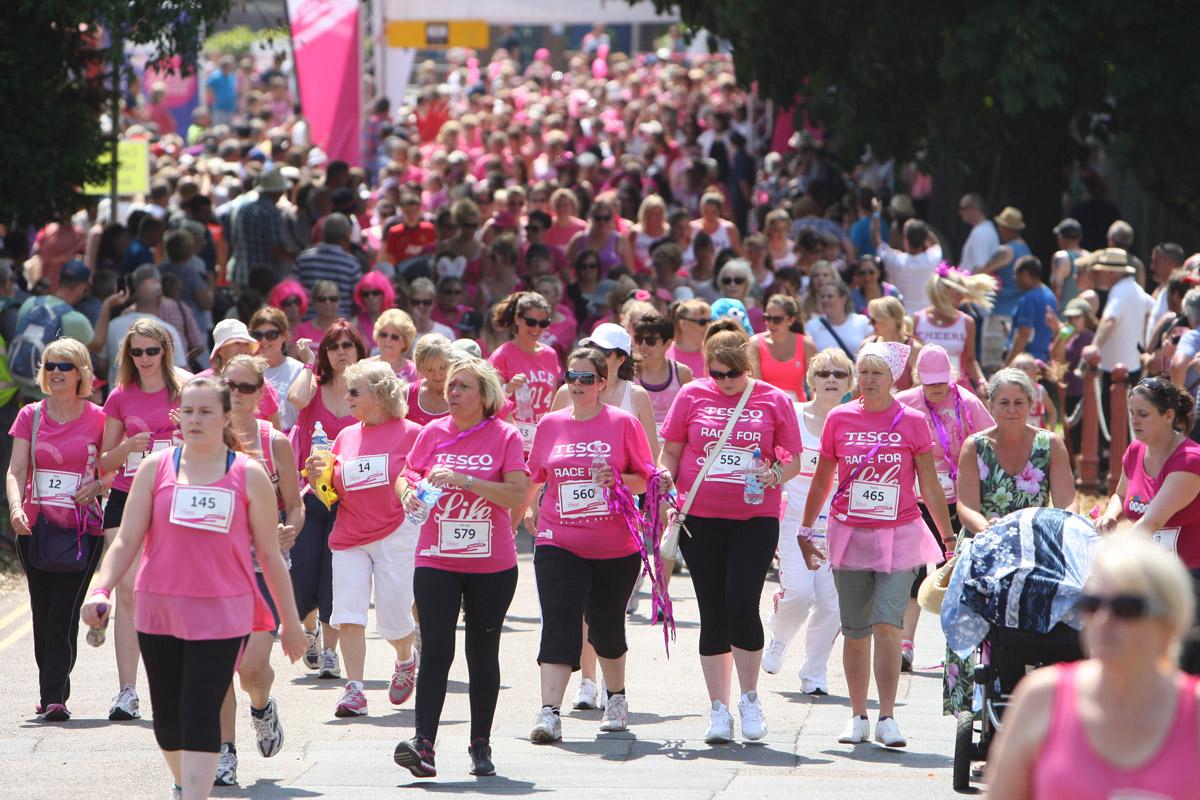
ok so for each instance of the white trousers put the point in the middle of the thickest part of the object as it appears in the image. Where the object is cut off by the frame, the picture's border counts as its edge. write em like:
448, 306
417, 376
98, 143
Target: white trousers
806, 597
388, 564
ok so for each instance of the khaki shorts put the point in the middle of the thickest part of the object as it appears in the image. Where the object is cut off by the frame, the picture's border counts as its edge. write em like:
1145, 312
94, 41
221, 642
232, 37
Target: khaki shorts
868, 598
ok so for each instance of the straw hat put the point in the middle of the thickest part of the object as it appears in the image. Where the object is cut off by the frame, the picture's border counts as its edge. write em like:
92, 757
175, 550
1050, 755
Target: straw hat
1113, 259
1011, 218
933, 588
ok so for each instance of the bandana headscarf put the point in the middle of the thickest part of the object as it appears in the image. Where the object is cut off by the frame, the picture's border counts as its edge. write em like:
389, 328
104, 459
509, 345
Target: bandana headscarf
894, 354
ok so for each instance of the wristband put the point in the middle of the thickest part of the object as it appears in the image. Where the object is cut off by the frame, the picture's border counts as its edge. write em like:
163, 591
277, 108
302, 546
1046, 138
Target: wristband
806, 533
777, 471
100, 590
310, 367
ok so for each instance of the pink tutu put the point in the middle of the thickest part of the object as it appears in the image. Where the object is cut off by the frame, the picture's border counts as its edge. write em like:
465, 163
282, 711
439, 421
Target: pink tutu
905, 546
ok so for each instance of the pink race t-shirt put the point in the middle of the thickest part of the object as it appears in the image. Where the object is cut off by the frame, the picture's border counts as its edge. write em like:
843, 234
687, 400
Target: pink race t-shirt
140, 412
698, 417
416, 413
541, 370
959, 421
1181, 533
465, 532
574, 513
881, 493
67, 456
694, 361
367, 461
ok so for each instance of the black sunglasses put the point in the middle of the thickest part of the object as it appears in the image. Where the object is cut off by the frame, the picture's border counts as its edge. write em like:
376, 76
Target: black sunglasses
417, 302
536, 323
730, 375
270, 334
840, 374
774, 319
703, 323
355, 392
326, 298
733, 280
453, 291
585, 378
602, 217
649, 341
243, 388
290, 301
371, 293
344, 345
138, 352
395, 337
590, 265
1121, 606
61, 366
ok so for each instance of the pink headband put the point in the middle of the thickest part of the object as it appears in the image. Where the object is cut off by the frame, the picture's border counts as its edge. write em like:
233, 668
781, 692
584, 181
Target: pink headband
894, 354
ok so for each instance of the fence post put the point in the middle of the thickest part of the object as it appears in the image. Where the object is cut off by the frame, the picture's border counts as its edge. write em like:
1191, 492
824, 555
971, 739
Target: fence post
1118, 424
1089, 443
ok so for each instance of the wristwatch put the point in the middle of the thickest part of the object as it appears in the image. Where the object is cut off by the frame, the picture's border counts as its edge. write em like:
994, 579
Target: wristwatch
470, 482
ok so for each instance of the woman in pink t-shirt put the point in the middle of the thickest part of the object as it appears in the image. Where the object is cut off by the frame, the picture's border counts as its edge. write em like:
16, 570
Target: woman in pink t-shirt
197, 509
371, 542
585, 558
426, 397
320, 393
524, 363
58, 483
394, 336
466, 555
138, 423
877, 538
731, 542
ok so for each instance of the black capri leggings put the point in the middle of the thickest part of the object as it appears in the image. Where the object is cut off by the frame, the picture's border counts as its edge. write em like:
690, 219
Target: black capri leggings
484, 599
572, 589
728, 560
312, 561
188, 682
955, 525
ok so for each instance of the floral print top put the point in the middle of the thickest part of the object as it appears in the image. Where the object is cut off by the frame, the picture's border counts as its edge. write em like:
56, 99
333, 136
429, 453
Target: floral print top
1001, 494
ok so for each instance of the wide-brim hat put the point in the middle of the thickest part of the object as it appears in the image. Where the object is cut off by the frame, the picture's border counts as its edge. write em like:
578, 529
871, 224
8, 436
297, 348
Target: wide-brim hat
933, 589
902, 206
231, 330
1011, 218
1112, 259
272, 180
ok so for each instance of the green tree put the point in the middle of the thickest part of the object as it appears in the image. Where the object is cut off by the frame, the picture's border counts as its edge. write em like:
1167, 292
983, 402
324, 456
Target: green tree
999, 95
57, 83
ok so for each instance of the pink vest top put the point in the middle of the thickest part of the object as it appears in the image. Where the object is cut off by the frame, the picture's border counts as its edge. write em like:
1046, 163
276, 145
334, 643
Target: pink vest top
1068, 768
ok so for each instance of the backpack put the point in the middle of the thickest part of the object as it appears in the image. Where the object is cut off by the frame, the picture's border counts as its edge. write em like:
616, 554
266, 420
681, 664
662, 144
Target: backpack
41, 326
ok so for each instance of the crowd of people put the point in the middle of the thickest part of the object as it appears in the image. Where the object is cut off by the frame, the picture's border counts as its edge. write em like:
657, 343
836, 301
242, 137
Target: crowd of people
547, 294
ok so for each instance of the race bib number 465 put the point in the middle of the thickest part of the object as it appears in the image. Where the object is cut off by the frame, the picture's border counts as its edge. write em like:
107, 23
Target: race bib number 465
874, 500
204, 508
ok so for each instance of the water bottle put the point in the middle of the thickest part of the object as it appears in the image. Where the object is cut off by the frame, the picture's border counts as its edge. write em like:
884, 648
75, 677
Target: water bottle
95, 636
320, 442
427, 496
524, 397
598, 463
753, 491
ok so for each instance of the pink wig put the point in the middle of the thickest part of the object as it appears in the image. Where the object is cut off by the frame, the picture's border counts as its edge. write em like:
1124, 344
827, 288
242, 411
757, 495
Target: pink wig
285, 289
375, 280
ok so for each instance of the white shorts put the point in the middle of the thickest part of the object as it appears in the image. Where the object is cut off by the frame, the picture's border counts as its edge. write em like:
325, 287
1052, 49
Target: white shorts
388, 563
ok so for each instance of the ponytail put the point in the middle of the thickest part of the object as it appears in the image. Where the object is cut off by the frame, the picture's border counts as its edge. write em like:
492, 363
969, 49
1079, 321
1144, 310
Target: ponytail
1166, 396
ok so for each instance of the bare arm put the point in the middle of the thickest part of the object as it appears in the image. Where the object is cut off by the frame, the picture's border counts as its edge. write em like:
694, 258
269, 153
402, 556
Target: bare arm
967, 486
1114, 507
1062, 481
670, 457
17, 476
1021, 337
115, 447
1104, 331
1014, 753
561, 399
1177, 492
264, 528
289, 488
998, 260
303, 389
970, 366
684, 372
933, 496
645, 415
134, 524
755, 361
822, 484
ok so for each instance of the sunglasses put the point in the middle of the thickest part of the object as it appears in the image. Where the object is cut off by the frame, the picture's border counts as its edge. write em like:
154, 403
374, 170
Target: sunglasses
774, 319
61, 366
536, 323
732, 281
395, 337
371, 293
1121, 606
417, 302
649, 341
584, 378
590, 265
602, 218
454, 292
344, 345
703, 323
840, 374
534, 228
353, 392
243, 388
290, 301
138, 352
326, 298
270, 334
722, 376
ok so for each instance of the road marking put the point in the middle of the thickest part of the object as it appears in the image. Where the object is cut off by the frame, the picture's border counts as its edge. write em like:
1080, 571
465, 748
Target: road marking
16, 635
22, 608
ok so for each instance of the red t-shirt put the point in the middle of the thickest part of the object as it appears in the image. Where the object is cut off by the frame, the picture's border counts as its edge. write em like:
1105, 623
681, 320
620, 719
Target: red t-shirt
1182, 531
404, 242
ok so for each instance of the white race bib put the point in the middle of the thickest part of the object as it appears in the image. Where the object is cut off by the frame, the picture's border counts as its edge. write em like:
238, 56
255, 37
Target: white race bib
578, 499
874, 500
53, 488
946, 484
1168, 538
808, 462
465, 538
205, 508
134, 460
365, 472
730, 464
526, 429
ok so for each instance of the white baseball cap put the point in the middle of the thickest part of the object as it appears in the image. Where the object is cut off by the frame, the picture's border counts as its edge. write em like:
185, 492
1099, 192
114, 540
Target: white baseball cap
610, 336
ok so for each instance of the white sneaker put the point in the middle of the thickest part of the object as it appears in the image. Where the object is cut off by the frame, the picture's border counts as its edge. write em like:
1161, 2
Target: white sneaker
616, 714
268, 731
634, 601
887, 733
588, 696
125, 705
547, 727
312, 653
330, 666
720, 724
226, 766
754, 723
813, 688
857, 730
772, 658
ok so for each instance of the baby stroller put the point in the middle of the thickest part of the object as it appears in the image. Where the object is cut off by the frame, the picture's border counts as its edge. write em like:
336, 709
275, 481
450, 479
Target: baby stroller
1011, 601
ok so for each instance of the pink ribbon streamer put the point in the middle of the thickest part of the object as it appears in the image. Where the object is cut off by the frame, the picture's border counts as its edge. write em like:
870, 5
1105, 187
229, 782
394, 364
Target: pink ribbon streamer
943, 436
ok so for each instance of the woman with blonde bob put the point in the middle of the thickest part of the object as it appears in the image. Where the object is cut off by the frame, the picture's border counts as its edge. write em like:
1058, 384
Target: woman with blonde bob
891, 324
394, 334
943, 324
1125, 719
55, 484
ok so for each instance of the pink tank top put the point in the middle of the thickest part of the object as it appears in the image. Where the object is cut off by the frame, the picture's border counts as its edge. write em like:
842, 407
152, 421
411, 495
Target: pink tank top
196, 580
415, 412
789, 376
310, 415
952, 338
662, 396
1068, 768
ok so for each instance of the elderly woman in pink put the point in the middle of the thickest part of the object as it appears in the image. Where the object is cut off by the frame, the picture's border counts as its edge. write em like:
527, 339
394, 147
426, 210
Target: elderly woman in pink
373, 294
879, 449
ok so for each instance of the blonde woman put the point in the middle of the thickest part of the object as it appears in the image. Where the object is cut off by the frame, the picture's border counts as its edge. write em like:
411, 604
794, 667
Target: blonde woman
943, 324
651, 226
691, 319
426, 398
820, 274
892, 325
138, 422
395, 333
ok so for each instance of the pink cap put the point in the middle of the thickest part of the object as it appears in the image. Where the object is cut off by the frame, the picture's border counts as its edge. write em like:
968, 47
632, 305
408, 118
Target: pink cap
933, 364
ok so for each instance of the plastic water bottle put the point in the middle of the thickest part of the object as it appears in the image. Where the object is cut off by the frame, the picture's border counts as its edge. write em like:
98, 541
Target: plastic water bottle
427, 496
753, 491
598, 463
320, 442
95, 636
524, 397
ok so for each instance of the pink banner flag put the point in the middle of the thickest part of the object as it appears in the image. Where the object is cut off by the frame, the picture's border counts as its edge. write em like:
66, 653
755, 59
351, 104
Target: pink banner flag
325, 40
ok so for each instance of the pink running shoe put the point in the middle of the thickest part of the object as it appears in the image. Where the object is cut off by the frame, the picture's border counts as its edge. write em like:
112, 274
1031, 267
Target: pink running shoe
404, 681
353, 702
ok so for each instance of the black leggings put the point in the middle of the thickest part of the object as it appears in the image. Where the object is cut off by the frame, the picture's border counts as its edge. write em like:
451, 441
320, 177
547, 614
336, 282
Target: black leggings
728, 560
572, 589
955, 526
188, 682
312, 561
484, 599
55, 599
